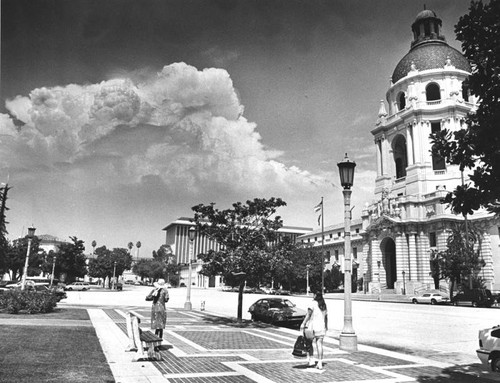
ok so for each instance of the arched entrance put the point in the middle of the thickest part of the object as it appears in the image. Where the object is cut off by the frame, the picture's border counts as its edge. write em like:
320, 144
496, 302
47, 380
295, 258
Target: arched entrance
388, 248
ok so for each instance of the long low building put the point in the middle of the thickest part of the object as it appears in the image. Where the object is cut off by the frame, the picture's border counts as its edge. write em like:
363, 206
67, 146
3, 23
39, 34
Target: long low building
177, 238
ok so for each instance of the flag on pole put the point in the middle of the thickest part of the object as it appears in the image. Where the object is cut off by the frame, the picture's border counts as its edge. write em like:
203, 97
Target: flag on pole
318, 210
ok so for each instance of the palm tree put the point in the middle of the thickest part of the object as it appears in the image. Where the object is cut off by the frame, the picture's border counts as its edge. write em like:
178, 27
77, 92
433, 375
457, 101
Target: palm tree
130, 246
138, 245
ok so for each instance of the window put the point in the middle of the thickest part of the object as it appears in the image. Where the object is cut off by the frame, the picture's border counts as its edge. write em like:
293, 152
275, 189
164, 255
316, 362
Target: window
400, 157
437, 161
331, 235
355, 252
401, 101
336, 255
433, 92
432, 239
357, 231
339, 234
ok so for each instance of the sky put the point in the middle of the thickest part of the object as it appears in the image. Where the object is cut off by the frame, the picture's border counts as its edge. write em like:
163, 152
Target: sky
118, 116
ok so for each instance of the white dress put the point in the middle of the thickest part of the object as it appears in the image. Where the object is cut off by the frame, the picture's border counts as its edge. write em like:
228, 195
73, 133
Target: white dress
317, 320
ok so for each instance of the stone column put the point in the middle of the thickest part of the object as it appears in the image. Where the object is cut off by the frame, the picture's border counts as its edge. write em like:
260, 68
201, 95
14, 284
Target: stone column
409, 144
412, 257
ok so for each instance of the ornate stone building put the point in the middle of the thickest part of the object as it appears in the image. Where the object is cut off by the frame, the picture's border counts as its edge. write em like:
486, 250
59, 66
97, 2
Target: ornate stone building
406, 219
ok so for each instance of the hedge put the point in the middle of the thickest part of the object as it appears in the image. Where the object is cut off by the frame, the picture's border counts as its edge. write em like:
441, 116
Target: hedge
29, 301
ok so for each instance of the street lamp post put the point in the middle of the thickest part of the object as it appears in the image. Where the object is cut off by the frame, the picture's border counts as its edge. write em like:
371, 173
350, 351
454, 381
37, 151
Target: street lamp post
307, 279
404, 283
114, 273
31, 234
348, 340
192, 235
53, 269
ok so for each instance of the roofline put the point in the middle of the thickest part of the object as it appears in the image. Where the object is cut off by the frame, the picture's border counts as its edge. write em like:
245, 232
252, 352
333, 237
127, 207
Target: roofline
189, 222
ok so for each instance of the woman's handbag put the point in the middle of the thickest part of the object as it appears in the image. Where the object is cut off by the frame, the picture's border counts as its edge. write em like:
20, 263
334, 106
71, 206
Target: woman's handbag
301, 347
150, 296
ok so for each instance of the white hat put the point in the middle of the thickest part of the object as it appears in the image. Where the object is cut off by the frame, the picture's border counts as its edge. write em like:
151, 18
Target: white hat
160, 283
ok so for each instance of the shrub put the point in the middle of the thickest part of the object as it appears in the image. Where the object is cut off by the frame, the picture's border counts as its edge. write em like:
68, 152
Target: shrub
29, 301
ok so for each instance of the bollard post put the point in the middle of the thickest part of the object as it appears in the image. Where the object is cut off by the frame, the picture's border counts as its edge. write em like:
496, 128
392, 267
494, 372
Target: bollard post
131, 342
202, 306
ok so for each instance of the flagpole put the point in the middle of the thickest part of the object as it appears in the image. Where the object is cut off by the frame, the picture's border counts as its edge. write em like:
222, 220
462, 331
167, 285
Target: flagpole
322, 249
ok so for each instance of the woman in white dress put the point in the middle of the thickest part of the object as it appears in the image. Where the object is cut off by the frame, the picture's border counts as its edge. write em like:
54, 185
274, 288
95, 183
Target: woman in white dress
316, 324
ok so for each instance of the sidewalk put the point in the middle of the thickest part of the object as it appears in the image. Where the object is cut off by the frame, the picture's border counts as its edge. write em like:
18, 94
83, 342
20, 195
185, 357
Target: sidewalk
202, 347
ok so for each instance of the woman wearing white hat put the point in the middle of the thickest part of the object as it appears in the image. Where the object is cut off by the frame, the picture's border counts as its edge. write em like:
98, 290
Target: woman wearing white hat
158, 310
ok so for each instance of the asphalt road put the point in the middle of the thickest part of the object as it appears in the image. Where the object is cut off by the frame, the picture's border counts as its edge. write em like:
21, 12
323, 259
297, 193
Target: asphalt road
444, 333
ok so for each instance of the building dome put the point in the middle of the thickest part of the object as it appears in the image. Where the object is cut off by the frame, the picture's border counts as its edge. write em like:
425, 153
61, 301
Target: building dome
425, 14
429, 49
429, 56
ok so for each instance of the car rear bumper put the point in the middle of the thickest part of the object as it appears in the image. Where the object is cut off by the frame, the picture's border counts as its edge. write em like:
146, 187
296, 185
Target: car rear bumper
483, 356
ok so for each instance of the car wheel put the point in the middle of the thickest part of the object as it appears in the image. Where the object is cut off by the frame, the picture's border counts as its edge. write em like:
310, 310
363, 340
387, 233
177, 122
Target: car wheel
474, 304
84, 289
414, 301
495, 364
433, 302
70, 289
254, 317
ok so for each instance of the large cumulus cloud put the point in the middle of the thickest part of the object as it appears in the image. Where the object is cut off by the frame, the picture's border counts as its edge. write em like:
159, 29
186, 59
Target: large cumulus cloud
184, 126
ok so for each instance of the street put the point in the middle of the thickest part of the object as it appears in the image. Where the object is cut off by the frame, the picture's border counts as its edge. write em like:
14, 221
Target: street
442, 333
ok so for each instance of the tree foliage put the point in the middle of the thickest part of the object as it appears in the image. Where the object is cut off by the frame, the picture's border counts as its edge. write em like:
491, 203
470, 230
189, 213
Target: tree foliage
16, 256
103, 266
245, 234
476, 146
461, 259
71, 260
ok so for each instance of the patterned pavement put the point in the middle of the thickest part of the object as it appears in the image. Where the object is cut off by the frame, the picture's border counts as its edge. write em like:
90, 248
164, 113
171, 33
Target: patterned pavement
203, 348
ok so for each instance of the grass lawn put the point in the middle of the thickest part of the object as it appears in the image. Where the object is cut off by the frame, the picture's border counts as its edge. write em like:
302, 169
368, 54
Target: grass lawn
52, 353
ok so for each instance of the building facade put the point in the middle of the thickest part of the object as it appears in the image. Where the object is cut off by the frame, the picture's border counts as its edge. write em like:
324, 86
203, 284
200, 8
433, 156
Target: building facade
177, 237
406, 220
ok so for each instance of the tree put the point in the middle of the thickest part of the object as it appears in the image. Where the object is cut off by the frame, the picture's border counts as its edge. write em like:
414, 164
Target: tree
244, 233
476, 146
130, 246
4, 243
71, 260
16, 256
103, 266
461, 260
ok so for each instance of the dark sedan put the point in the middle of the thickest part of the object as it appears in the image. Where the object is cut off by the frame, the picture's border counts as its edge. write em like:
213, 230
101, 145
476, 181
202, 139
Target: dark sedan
276, 311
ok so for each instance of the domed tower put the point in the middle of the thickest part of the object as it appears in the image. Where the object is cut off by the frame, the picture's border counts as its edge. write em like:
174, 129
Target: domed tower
406, 219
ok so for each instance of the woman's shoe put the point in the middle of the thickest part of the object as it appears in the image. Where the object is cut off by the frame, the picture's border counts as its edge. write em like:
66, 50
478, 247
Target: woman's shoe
319, 366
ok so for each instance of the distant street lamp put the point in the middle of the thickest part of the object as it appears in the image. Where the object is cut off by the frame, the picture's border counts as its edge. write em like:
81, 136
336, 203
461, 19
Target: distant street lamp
31, 234
53, 269
404, 283
191, 236
307, 279
348, 340
114, 273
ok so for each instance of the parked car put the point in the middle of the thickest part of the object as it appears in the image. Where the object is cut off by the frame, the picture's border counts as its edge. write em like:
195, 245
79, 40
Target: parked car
276, 311
489, 348
282, 292
78, 286
474, 297
269, 290
432, 298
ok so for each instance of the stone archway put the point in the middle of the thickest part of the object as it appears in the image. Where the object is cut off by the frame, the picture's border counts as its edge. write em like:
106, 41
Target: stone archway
388, 248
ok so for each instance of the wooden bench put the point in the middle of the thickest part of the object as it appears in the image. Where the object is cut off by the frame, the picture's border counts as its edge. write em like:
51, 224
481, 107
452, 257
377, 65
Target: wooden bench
151, 342
141, 341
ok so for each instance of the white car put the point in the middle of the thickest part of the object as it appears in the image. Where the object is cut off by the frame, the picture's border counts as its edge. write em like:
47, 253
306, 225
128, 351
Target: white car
78, 286
489, 348
432, 298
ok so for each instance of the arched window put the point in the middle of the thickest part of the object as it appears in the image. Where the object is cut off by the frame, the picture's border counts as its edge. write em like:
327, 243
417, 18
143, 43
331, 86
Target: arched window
401, 101
438, 163
400, 157
433, 92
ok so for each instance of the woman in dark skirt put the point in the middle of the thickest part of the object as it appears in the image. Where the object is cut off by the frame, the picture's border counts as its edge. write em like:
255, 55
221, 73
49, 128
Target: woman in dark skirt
158, 310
